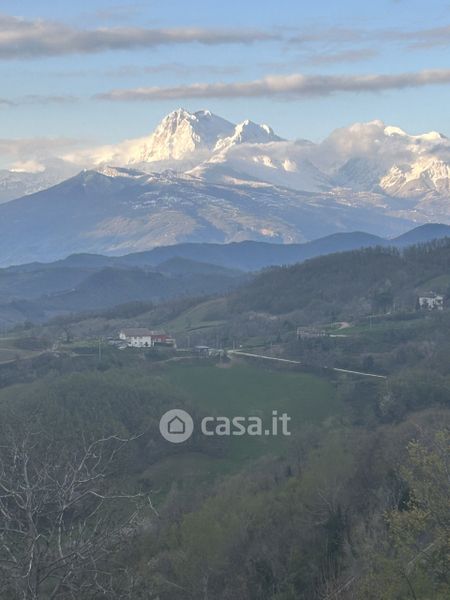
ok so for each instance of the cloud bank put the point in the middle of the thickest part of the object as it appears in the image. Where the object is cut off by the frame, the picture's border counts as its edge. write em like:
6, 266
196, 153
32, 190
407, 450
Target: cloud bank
287, 87
22, 38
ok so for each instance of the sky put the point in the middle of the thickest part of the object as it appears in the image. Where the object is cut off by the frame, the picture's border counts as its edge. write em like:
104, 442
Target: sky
76, 74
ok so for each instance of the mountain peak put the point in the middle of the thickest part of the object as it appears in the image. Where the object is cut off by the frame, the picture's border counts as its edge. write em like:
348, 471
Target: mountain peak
182, 134
248, 132
430, 136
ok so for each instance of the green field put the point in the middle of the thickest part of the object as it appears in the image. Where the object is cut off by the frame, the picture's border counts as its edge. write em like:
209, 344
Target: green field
382, 323
201, 316
250, 390
241, 390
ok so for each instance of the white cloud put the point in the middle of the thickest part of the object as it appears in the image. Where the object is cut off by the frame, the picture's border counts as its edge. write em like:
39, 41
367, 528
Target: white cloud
33, 152
22, 38
27, 166
293, 86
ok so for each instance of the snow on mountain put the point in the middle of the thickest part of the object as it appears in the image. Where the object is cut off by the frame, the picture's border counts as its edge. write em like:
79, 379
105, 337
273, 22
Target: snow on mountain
119, 172
358, 157
365, 165
383, 145
277, 163
248, 132
363, 157
180, 136
375, 157
417, 179
431, 136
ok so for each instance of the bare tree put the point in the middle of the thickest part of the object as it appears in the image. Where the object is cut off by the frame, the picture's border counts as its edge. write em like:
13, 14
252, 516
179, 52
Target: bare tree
61, 521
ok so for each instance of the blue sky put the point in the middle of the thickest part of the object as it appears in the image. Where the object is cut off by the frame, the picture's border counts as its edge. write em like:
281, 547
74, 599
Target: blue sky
78, 72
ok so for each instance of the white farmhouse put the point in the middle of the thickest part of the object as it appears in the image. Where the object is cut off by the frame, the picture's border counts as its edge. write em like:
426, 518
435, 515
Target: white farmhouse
145, 338
432, 302
137, 338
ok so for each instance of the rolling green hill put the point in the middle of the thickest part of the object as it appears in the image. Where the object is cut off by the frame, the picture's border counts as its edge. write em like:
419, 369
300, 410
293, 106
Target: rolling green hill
345, 285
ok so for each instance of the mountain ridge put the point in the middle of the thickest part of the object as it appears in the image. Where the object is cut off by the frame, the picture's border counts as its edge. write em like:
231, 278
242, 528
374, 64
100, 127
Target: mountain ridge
128, 211
40, 291
247, 255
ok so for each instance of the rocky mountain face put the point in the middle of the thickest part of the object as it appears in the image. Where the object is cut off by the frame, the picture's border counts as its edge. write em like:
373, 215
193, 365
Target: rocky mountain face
182, 134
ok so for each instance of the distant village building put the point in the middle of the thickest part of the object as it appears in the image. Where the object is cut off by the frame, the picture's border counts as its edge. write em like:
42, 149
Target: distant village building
145, 338
431, 301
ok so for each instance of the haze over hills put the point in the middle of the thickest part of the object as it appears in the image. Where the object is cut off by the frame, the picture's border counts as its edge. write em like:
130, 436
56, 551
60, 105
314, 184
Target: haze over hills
39, 291
240, 256
118, 211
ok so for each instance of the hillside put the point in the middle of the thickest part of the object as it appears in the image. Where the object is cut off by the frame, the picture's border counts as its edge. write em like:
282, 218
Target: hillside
39, 294
39, 291
352, 283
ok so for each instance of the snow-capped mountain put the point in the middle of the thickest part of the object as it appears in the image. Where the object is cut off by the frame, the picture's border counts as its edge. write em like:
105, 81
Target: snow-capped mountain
364, 157
426, 175
277, 163
247, 132
182, 134
201, 177
181, 140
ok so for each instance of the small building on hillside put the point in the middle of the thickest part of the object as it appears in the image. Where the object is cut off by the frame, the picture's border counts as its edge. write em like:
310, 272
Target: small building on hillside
431, 301
145, 338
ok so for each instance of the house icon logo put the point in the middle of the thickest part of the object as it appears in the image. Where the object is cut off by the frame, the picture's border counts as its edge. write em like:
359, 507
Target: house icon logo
176, 426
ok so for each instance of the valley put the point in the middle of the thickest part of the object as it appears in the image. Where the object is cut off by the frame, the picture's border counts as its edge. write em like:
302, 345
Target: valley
329, 325
224, 300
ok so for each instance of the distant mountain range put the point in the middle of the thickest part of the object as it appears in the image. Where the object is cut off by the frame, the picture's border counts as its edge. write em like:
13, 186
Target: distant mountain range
123, 210
246, 255
370, 157
39, 291
200, 178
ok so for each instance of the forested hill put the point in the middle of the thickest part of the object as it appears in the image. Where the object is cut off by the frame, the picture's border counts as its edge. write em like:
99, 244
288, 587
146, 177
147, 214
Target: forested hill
350, 283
